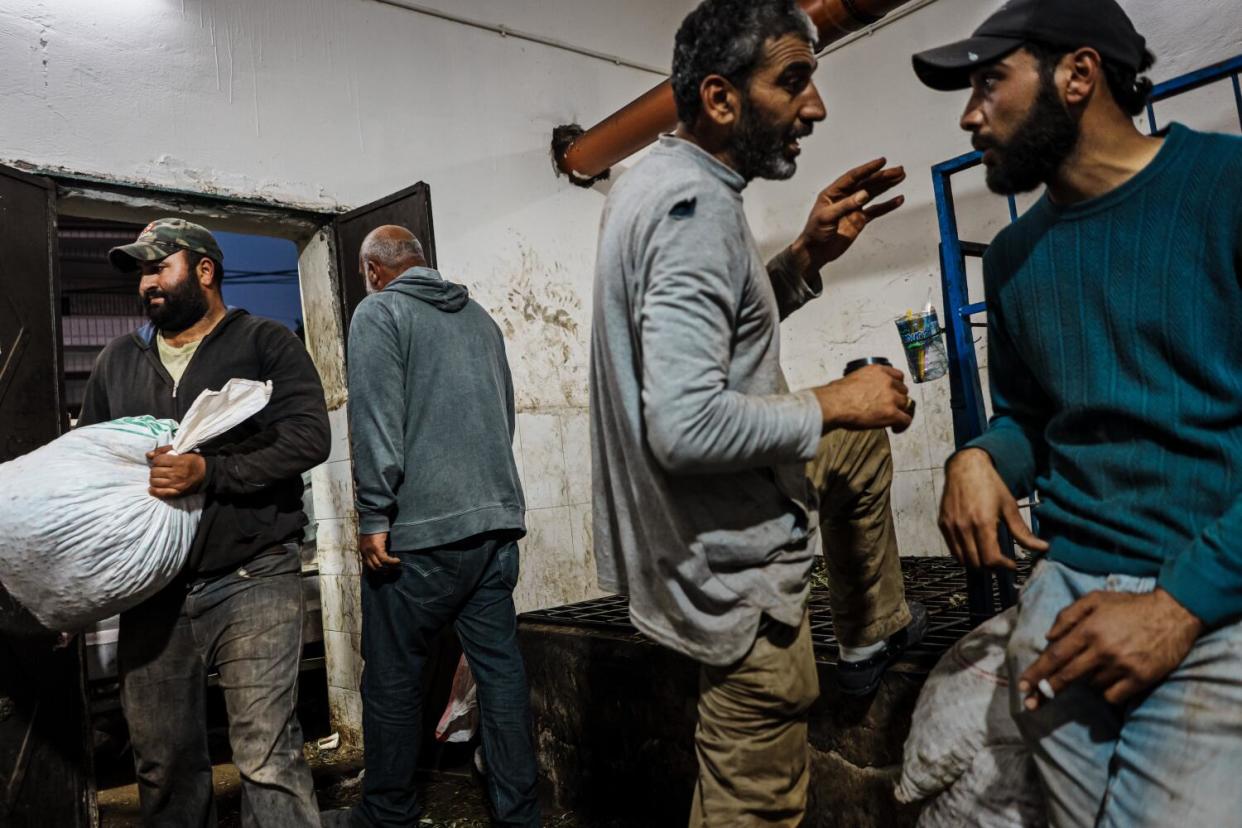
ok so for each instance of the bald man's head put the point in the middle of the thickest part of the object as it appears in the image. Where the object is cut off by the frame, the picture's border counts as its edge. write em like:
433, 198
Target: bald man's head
386, 253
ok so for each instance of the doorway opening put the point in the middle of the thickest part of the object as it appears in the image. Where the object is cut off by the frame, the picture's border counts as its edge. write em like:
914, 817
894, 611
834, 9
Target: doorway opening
98, 304
60, 304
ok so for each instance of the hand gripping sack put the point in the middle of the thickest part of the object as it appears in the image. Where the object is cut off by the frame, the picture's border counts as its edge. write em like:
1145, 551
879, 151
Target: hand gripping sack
80, 537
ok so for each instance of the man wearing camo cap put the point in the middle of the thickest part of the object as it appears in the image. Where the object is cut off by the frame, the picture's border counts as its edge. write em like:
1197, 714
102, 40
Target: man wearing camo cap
236, 609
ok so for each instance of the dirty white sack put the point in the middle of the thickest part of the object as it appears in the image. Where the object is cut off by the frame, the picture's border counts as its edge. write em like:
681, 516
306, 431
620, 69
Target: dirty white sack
461, 715
964, 748
1000, 789
80, 537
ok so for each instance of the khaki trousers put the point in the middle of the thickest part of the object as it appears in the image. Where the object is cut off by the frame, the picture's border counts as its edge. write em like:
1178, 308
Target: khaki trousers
853, 473
754, 763
751, 739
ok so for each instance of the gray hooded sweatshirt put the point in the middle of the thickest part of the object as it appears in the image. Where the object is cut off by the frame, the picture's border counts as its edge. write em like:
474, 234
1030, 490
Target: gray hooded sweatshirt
431, 416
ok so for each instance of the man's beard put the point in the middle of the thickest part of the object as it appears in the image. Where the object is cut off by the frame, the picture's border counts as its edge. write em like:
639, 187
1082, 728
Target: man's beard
1038, 148
758, 148
185, 305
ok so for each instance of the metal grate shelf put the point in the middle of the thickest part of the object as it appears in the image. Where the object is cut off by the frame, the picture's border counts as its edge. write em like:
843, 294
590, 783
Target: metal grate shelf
938, 583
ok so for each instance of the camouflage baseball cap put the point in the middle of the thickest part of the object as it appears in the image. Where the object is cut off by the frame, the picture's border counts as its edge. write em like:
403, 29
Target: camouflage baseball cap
162, 238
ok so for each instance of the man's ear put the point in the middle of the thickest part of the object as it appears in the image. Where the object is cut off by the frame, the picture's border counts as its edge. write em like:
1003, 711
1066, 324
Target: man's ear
720, 100
1083, 72
207, 274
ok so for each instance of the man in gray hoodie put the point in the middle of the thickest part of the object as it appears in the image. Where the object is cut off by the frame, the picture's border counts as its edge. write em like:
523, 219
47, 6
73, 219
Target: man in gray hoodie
705, 506
440, 510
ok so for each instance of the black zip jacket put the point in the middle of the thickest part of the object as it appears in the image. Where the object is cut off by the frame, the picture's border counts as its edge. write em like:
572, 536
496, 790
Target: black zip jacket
253, 485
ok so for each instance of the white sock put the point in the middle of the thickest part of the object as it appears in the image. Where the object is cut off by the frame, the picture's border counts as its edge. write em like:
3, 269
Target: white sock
860, 653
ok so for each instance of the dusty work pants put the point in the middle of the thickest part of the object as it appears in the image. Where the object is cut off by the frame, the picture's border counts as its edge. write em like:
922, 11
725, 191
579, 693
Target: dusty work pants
754, 763
853, 473
751, 739
1168, 758
247, 625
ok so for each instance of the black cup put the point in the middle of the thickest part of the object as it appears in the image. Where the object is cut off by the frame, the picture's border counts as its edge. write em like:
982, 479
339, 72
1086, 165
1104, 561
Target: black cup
854, 364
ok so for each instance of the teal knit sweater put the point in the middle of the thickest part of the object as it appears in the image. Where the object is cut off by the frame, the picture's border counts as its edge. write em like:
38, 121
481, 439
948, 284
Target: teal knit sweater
1115, 363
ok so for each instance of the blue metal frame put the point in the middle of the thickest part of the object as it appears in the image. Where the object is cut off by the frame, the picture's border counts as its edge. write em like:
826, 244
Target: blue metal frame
1193, 80
966, 391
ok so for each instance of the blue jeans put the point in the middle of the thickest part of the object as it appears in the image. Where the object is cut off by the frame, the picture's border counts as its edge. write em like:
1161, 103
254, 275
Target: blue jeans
1168, 758
247, 625
470, 585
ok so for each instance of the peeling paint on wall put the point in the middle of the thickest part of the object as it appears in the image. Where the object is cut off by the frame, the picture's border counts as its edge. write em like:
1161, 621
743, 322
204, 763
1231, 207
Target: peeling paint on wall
326, 355
191, 187
545, 325
322, 313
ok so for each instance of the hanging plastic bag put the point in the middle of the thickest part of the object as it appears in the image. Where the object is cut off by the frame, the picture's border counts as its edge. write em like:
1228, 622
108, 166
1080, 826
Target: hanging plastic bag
461, 715
80, 536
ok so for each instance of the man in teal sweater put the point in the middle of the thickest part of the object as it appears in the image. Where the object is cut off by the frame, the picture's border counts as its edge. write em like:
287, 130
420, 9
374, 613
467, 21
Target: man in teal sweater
1115, 325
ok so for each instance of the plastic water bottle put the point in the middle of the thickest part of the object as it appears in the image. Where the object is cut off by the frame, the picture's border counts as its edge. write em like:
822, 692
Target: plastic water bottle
923, 341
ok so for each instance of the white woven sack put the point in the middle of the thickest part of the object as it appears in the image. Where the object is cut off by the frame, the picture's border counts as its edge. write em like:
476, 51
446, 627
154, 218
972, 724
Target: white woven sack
1000, 789
964, 751
963, 706
80, 537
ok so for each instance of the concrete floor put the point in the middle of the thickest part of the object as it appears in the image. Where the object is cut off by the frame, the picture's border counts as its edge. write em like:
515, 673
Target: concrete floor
452, 798
335, 775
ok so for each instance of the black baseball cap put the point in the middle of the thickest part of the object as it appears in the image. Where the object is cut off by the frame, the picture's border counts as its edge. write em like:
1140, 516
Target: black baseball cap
1071, 24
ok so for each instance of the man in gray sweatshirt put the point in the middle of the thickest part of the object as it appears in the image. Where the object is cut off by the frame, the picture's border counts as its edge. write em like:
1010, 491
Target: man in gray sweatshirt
440, 510
705, 506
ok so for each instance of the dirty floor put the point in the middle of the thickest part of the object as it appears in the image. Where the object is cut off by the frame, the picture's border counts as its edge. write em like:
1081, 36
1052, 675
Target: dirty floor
452, 798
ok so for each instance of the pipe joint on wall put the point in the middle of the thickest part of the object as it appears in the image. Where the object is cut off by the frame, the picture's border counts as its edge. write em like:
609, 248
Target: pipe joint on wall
563, 138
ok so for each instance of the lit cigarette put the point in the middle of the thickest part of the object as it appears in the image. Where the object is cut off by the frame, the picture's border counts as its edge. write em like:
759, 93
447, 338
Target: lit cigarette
1046, 690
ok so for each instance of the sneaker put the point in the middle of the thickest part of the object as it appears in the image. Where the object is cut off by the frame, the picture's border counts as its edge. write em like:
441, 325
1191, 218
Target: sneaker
862, 678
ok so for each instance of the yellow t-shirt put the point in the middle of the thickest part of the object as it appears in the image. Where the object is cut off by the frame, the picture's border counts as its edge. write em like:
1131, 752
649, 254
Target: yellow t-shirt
175, 359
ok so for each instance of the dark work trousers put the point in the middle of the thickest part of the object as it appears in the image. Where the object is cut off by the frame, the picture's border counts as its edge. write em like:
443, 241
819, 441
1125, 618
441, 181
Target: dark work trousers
470, 585
247, 625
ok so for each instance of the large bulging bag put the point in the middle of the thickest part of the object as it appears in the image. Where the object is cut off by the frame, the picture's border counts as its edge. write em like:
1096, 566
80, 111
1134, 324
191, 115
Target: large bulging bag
81, 539
965, 752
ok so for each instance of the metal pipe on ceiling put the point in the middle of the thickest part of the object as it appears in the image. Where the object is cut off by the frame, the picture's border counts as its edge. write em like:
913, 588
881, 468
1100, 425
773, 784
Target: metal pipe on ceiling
517, 34
891, 17
585, 155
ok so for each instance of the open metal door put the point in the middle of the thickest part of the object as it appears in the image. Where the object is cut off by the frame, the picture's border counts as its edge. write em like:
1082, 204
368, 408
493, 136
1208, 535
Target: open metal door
45, 761
410, 208
31, 412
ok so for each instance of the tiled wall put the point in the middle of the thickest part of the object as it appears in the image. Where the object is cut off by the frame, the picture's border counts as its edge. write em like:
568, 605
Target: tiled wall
333, 492
554, 460
918, 470
340, 578
849, 322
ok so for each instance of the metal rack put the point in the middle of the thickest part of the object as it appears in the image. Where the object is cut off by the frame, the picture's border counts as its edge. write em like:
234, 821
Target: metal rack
938, 583
966, 393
